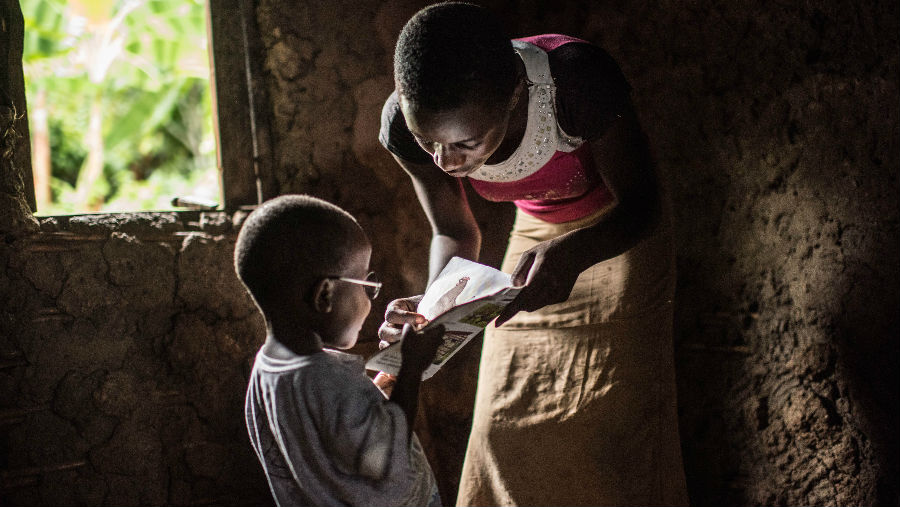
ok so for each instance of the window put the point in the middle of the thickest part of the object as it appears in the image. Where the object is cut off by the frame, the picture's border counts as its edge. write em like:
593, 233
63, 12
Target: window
144, 129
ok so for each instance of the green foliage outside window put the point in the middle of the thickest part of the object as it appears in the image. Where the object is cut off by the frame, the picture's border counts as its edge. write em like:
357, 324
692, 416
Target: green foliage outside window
118, 103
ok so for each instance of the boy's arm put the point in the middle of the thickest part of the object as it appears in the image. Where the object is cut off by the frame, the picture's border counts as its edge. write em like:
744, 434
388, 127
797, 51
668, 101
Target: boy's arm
418, 351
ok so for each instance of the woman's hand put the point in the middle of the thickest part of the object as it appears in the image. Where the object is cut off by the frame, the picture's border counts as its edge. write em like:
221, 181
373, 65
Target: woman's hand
399, 312
548, 271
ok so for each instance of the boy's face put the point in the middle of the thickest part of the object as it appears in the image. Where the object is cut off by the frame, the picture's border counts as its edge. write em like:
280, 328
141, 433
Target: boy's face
350, 304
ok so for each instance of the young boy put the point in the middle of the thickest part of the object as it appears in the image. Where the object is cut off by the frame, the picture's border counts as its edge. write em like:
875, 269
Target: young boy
325, 435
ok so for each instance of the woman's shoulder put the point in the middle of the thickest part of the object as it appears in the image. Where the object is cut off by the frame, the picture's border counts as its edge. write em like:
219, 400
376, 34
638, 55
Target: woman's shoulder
585, 60
575, 57
390, 115
591, 89
395, 136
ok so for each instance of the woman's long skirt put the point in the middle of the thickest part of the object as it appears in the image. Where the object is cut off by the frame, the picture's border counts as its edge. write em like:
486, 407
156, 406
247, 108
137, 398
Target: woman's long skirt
576, 402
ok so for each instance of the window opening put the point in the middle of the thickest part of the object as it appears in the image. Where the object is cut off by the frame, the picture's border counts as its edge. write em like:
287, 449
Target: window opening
119, 105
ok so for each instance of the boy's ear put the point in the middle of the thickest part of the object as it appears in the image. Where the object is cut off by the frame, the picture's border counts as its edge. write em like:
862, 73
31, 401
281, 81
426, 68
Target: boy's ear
323, 295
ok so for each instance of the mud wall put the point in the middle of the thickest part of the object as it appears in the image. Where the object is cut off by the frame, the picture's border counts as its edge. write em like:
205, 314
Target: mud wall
125, 350
125, 340
778, 125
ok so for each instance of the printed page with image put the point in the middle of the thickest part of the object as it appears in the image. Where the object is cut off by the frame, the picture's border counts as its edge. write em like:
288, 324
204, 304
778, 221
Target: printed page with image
464, 298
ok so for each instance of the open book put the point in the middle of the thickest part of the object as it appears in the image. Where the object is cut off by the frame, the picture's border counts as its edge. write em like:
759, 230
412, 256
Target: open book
465, 297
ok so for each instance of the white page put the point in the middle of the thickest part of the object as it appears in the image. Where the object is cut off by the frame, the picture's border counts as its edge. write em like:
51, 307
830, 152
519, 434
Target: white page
480, 281
446, 302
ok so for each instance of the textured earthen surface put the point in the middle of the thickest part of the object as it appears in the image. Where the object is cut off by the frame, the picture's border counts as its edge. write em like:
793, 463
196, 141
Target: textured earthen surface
125, 340
125, 350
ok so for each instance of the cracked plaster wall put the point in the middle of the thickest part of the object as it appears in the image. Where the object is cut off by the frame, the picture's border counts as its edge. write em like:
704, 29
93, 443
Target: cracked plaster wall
126, 341
125, 347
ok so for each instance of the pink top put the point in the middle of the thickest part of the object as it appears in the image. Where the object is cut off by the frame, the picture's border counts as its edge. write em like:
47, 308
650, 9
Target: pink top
550, 41
566, 188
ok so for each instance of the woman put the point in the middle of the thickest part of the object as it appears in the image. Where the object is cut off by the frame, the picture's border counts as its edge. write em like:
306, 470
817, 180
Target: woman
575, 401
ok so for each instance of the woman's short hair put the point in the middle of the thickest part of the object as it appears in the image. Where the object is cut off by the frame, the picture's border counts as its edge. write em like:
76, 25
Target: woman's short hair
292, 239
450, 53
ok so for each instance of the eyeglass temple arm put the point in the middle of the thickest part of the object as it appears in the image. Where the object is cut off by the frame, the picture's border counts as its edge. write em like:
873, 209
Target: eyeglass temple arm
361, 282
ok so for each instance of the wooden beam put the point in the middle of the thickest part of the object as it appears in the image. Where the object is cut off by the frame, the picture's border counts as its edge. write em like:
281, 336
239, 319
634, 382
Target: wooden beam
12, 83
231, 107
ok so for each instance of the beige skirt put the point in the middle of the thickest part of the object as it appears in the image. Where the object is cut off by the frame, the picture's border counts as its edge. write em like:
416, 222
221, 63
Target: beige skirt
576, 402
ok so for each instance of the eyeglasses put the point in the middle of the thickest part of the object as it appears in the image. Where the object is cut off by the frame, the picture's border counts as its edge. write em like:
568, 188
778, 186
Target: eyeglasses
371, 283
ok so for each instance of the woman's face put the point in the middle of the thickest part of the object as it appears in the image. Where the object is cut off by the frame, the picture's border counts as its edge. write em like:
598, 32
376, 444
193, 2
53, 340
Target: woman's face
459, 140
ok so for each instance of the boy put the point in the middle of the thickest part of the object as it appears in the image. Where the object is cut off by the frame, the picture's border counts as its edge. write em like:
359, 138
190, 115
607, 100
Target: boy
325, 435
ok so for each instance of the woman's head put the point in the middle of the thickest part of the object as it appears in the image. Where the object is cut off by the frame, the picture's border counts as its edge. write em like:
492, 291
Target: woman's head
458, 79
452, 53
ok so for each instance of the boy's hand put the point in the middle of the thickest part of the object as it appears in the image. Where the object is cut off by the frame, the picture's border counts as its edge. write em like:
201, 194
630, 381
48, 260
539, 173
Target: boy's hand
399, 312
385, 383
418, 348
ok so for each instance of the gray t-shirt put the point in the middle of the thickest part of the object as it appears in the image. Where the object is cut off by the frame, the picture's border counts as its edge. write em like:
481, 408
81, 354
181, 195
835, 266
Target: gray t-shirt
325, 435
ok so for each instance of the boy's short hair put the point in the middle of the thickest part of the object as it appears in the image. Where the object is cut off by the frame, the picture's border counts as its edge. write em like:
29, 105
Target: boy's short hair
453, 52
288, 241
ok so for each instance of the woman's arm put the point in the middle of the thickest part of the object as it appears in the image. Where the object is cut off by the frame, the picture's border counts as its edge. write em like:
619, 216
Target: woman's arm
454, 232
453, 227
622, 157
550, 269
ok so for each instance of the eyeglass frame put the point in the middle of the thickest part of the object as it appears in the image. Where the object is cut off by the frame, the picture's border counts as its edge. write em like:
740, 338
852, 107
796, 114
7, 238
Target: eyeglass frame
367, 283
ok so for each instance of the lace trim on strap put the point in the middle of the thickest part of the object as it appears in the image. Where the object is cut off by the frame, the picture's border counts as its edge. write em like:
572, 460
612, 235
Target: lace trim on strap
543, 136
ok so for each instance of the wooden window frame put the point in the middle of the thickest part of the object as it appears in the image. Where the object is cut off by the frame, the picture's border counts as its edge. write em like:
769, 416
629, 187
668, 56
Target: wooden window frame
243, 137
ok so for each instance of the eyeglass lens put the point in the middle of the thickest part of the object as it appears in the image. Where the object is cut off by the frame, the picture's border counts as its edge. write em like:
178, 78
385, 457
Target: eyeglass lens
372, 291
